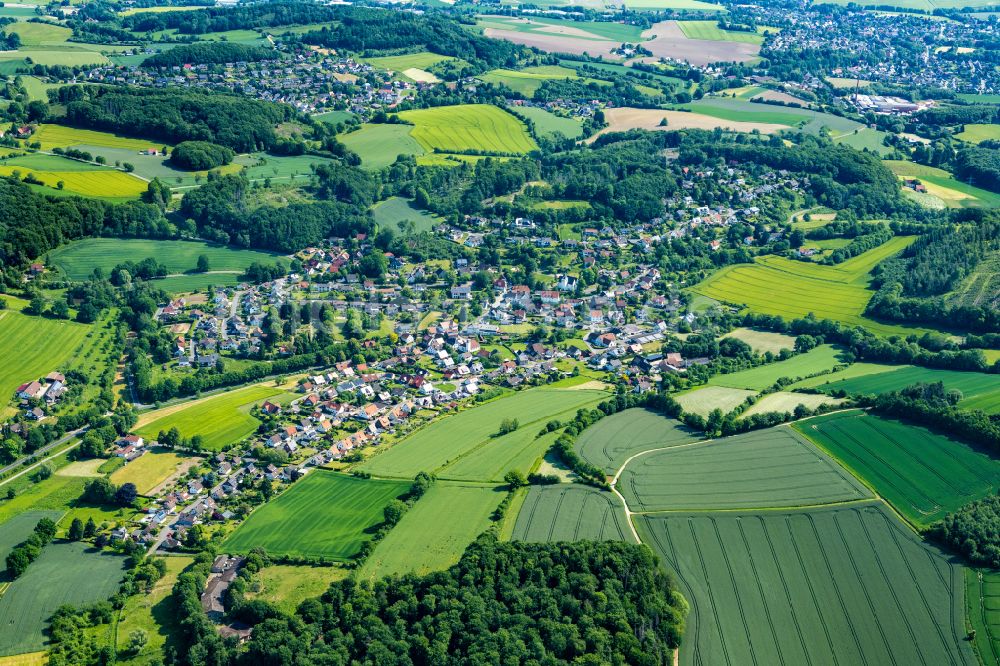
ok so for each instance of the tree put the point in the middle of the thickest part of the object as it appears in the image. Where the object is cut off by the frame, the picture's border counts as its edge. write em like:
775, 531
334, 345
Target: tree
75, 530
508, 425
394, 511
37, 304
515, 479
60, 309
203, 265
137, 640
126, 494
90, 529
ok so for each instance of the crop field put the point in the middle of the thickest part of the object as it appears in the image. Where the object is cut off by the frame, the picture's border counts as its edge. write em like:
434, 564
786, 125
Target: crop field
220, 419
739, 110
612, 440
421, 60
150, 469
710, 30
32, 346
571, 512
708, 398
774, 468
39, 34
19, 528
464, 127
578, 30
789, 288
323, 515
64, 573
621, 119
59, 136
844, 585
399, 215
686, 5
529, 79
42, 162
518, 450
434, 533
445, 440
380, 145
77, 260
818, 359
982, 599
979, 390
762, 341
104, 183
923, 474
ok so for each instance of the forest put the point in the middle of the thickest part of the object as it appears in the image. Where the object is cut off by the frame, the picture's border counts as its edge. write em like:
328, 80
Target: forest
209, 53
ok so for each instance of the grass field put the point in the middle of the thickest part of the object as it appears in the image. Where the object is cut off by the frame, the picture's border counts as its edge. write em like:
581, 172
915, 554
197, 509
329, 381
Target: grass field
923, 474
288, 585
582, 30
819, 359
711, 31
686, 5
866, 138
155, 613
571, 512
28, 658
549, 124
942, 185
612, 440
981, 287
421, 60
789, 288
526, 81
786, 402
705, 399
765, 468
444, 441
762, 341
492, 459
737, 110
466, 127
19, 528
64, 573
149, 470
845, 585
77, 260
380, 145
982, 600
434, 533
399, 215
39, 34
220, 419
59, 136
323, 515
70, 56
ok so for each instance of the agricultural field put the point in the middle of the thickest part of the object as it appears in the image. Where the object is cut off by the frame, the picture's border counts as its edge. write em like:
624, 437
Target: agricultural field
155, 613
621, 119
582, 30
399, 215
836, 292
923, 474
62, 54
866, 138
743, 111
520, 450
819, 359
19, 528
839, 585
981, 287
400, 63
526, 81
435, 532
762, 341
667, 39
787, 401
60, 136
548, 124
323, 515
105, 183
479, 127
982, 600
943, 186
444, 441
77, 260
380, 145
288, 585
151, 469
710, 30
571, 512
683, 5
39, 34
612, 440
704, 400
773, 468
220, 419
64, 573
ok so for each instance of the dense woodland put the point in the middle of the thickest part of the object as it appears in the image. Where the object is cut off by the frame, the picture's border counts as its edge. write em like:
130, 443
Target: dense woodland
209, 53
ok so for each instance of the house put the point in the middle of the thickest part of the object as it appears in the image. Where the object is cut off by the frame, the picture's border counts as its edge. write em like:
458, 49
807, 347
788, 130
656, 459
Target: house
30, 390
462, 291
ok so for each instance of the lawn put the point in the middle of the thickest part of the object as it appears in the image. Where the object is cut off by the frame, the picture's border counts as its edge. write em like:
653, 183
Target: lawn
380, 145
64, 573
819, 359
220, 419
59, 136
923, 474
479, 127
434, 533
762, 341
398, 214
549, 124
150, 469
77, 260
773, 468
323, 515
446, 440
526, 81
789, 288
155, 613
844, 585
571, 512
711, 31
708, 398
288, 585
612, 440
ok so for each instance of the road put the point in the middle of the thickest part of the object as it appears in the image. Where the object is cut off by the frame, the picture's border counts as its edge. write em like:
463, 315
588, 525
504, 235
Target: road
40, 452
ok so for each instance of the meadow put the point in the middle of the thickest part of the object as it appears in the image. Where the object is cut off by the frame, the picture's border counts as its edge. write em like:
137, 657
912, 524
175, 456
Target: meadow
399, 63
981, 287
922, 473
762, 341
39, 34
288, 585
571, 512
435, 532
400, 215
323, 515
446, 440
866, 138
789, 288
705, 399
773, 468
150, 469
816, 360
220, 419
612, 440
526, 81
64, 573
786, 401
548, 124
380, 145
685, 5
155, 613
62, 54
844, 585
479, 127
711, 31
942, 185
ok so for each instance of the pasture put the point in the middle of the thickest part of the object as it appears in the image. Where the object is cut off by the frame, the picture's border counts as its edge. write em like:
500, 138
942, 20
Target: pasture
787, 401
399, 63
380, 145
479, 127
526, 81
220, 419
705, 399
762, 341
866, 138
402, 217
773, 468
571, 512
844, 585
435, 532
923, 474
64, 573
11, 62
323, 515
548, 124
151, 469
612, 440
39, 34
710, 31
942, 185
288, 585
789, 288
447, 439
816, 360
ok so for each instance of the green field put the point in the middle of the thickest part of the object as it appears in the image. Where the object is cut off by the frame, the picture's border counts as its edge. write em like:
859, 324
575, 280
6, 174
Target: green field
762, 341
77, 260
923, 474
789, 288
819, 359
59, 136
323, 515
479, 127
220, 419
981, 287
288, 585
785, 402
155, 613
64, 573
711, 31
685, 5
39, 34
70, 56
519, 450
866, 138
434, 533
380, 145
571, 512
726, 108
105, 183
943, 186
548, 124
421, 60
844, 585
398, 214
774, 468
19, 528
470, 433
982, 599
150, 469
705, 399
526, 81
612, 440
585, 30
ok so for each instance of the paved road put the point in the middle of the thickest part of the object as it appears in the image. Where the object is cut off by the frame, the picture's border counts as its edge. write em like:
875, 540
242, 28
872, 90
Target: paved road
41, 451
